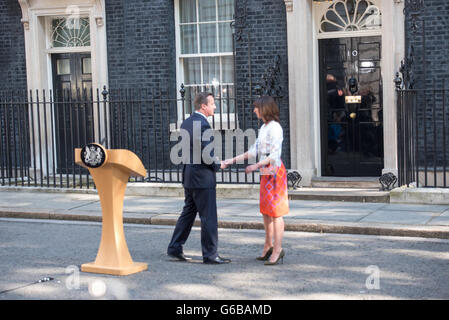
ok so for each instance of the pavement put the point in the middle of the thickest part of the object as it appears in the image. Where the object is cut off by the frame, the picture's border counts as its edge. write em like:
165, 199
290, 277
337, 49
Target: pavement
386, 219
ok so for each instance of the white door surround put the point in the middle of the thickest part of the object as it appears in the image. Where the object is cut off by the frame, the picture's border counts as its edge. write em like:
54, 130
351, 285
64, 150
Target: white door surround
36, 16
38, 55
303, 75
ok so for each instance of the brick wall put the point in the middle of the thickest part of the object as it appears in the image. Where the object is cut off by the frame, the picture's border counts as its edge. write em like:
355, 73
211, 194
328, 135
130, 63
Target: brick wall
264, 37
431, 71
141, 54
435, 15
12, 47
141, 43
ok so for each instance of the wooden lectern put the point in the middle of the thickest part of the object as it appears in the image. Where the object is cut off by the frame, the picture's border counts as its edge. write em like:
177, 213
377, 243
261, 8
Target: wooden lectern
111, 170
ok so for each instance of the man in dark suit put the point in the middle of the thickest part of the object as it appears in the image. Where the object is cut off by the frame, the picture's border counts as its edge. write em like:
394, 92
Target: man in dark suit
199, 183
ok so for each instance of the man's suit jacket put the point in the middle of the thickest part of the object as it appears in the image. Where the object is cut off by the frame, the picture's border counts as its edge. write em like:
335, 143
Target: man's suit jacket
201, 175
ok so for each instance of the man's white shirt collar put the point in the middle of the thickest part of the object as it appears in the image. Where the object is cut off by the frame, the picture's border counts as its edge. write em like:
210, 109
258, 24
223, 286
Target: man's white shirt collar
201, 114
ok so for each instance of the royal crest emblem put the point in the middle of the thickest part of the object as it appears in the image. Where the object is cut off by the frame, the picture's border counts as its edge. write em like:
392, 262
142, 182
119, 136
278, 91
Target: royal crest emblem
93, 155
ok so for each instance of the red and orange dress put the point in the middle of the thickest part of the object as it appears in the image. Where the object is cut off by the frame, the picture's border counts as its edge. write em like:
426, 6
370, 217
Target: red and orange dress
273, 177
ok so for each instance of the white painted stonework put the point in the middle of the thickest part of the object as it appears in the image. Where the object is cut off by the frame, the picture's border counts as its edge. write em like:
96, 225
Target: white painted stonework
36, 16
303, 71
38, 60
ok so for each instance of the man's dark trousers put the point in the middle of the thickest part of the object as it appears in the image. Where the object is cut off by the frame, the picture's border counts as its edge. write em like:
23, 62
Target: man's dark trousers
199, 183
202, 201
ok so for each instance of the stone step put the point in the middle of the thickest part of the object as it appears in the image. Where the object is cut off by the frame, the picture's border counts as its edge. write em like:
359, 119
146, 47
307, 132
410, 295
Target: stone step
224, 191
235, 191
247, 191
340, 194
346, 182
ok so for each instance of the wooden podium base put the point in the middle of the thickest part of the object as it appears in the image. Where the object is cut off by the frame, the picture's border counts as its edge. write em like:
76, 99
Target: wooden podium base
110, 178
134, 268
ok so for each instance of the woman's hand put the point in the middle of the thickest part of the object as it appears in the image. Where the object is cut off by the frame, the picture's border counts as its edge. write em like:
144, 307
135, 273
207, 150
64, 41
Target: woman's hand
251, 168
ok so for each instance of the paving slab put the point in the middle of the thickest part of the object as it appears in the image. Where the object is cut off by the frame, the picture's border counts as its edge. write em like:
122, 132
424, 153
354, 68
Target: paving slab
239, 201
329, 215
441, 220
415, 207
306, 203
45, 201
238, 210
338, 205
349, 211
404, 217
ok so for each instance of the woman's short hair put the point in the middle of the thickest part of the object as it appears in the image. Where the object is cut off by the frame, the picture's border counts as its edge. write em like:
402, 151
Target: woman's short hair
268, 108
201, 98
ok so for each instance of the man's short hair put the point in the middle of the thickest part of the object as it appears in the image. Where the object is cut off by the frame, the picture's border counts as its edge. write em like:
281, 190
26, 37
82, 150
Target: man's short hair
201, 98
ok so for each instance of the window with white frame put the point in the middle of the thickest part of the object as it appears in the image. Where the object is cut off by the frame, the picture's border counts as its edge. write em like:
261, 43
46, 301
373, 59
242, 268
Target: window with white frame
69, 32
205, 50
347, 16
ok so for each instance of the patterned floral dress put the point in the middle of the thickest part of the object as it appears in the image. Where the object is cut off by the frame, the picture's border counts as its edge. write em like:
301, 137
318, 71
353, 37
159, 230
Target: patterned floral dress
273, 177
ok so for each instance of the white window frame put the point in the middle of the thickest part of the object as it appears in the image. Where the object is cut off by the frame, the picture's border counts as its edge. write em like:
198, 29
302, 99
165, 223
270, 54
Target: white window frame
220, 121
48, 31
321, 8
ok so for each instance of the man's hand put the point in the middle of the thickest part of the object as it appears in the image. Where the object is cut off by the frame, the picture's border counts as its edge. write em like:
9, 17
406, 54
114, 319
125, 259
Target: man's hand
223, 165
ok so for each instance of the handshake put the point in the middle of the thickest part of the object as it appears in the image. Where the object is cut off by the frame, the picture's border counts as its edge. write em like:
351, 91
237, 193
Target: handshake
226, 163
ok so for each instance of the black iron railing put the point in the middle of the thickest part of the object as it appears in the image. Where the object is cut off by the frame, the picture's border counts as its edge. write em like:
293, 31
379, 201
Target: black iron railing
423, 145
422, 107
40, 130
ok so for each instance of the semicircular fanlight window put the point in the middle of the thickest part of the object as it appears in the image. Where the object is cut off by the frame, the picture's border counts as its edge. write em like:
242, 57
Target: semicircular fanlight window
70, 32
351, 15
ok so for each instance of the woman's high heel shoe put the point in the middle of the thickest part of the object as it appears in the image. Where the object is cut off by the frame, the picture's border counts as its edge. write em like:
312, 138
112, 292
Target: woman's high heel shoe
280, 258
266, 256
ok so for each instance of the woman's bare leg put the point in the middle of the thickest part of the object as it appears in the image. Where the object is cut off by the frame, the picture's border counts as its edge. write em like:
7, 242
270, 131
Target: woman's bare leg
268, 225
278, 230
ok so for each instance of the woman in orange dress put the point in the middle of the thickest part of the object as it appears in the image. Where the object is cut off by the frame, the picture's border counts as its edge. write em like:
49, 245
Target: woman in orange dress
273, 181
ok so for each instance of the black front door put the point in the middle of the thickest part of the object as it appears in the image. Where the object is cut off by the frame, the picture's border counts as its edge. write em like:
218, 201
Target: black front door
351, 106
72, 85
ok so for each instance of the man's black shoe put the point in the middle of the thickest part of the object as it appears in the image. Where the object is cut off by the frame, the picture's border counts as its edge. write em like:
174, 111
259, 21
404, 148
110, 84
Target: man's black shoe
179, 256
217, 260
